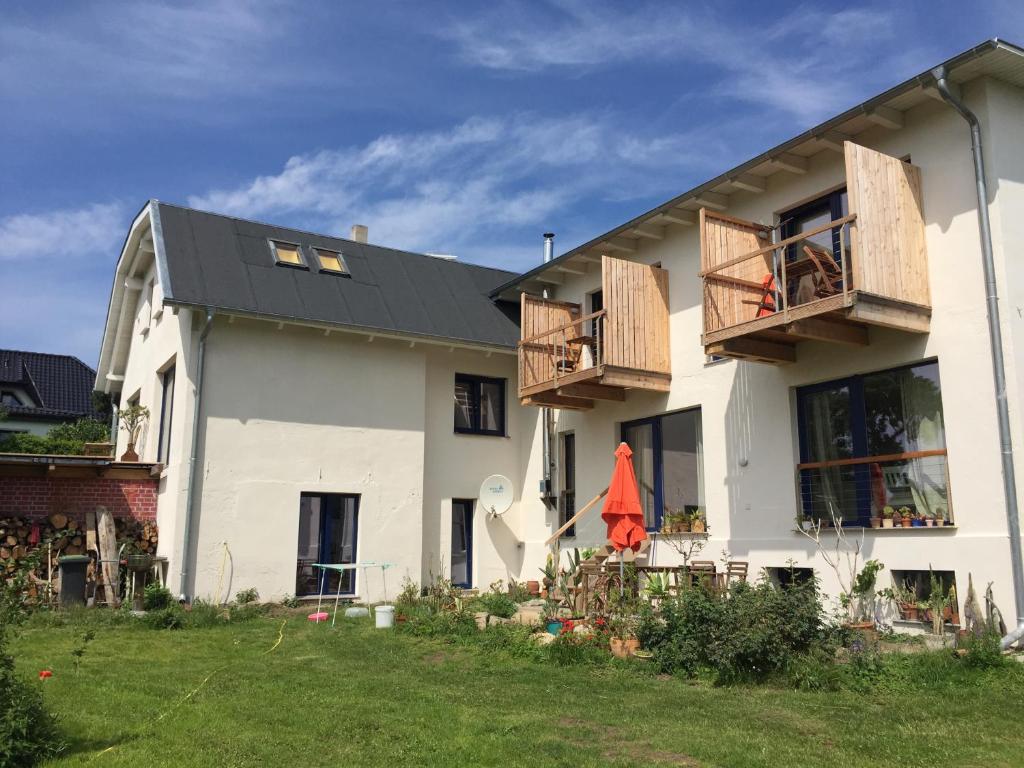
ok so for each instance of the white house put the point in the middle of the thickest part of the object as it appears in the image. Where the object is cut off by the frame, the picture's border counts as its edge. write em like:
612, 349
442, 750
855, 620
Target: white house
806, 332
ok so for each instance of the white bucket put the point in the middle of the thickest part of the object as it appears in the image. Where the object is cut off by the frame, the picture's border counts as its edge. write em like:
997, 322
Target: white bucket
385, 616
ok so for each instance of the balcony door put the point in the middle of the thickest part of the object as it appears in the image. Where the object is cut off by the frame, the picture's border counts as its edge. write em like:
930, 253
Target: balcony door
327, 534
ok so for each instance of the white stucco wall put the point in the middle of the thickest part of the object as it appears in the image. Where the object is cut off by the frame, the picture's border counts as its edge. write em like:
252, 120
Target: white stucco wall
748, 409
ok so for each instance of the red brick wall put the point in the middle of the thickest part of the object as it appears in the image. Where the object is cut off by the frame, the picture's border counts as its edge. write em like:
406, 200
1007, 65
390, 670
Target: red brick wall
41, 496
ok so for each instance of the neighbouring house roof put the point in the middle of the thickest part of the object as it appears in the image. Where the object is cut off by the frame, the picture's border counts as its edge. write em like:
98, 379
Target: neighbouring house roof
994, 58
61, 386
226, 263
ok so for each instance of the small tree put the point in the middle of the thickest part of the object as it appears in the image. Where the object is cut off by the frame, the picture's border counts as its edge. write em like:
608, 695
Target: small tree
133, 418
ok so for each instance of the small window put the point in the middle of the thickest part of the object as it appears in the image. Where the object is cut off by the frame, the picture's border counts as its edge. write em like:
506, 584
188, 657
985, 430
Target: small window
567, 508
287, 253
479, 405
331, 261
163, 450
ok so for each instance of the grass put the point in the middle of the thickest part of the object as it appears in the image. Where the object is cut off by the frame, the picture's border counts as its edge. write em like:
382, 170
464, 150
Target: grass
352, 695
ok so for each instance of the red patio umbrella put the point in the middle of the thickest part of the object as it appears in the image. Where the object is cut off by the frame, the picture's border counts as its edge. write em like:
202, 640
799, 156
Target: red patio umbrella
622, 511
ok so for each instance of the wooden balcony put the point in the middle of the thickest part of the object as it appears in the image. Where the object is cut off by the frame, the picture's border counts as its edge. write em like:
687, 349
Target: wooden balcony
569, 360
762, 297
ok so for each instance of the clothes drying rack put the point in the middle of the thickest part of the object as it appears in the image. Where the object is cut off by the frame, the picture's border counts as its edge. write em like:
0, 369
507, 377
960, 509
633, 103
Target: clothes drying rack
341, 568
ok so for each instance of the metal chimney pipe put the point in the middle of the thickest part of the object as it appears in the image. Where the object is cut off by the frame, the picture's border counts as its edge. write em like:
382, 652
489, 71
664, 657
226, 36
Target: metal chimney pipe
549, 246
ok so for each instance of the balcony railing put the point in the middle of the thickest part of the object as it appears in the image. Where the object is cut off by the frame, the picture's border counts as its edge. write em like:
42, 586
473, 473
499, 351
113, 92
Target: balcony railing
568, 359
761, 296
858, 489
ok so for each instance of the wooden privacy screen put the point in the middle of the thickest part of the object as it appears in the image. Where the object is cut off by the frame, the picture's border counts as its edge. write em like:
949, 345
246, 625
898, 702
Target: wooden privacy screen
723, 239
636, 298
889, 257
537, 358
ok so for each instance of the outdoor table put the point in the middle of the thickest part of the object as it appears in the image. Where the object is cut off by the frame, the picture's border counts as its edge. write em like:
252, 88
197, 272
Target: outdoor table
341, 568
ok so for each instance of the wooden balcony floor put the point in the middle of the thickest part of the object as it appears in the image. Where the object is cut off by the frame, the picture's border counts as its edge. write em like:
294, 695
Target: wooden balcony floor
838, 319
579, 389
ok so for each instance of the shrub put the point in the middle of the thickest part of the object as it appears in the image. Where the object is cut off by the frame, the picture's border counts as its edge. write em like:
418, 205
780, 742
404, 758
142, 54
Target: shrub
497, 604
983, 651
448, 624
156, 597
170, 617
245, 596
759, 631
570, 648
28, 733
63, 439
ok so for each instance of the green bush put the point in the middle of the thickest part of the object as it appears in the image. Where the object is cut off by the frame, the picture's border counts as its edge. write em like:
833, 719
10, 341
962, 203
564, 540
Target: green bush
756, 633
63, 439
983, 651
497, 604
446, 624
570, 648
156, 597
245, 596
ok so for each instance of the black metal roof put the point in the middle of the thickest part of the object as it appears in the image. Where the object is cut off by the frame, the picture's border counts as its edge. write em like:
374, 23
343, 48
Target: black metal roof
226, 263
60, 385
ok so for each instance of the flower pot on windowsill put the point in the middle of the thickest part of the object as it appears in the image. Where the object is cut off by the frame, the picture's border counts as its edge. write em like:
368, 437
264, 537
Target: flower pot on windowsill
887, 522
908, 611
698, 526
929, 523
916, 523
681, 528
905, 522
876, 522
130, 454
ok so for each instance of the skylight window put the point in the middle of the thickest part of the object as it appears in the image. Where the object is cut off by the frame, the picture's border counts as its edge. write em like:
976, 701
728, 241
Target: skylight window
287, 253
331, 261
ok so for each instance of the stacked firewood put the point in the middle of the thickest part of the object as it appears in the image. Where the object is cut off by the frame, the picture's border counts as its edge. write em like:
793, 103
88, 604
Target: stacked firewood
21, 536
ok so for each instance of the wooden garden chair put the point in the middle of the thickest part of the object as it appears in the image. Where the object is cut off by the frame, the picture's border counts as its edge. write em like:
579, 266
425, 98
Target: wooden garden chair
828, 277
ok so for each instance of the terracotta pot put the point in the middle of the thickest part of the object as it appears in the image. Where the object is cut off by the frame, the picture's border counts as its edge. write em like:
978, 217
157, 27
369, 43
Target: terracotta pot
906, 522
698, 526
908, 612
876, 522
887, 522
623, 648
533, 587
130, 454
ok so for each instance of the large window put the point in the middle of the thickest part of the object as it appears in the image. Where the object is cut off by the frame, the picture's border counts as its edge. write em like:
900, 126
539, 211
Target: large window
668, 461
328, 525
567, 505
872, 441
479, 405
163, 450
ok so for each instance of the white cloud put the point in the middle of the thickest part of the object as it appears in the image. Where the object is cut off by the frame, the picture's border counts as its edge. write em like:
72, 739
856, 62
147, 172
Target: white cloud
457, 190
60, 238
807, 62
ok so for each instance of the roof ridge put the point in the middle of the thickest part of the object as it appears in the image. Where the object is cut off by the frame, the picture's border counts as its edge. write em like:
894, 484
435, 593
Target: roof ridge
261, 223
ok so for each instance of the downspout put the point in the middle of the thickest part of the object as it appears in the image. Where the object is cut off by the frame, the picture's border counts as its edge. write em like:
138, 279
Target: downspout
197, 393
547, 416
995, 337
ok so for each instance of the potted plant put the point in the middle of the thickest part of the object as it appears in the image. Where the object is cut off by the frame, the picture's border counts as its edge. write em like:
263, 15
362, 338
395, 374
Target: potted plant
622, 641
929, 519
132, 419
550, 573
918, 520
876, 521
940, 517
551, 620
906, 518
697, 523
888, 513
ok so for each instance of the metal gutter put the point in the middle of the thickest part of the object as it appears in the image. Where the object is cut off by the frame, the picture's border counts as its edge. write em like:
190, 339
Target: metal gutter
812, 133
365, 330
186, 538
995, 337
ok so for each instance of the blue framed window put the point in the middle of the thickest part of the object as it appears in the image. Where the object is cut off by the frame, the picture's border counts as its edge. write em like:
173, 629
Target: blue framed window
462, 543
328, 532
479, 405
871, 441
668, 462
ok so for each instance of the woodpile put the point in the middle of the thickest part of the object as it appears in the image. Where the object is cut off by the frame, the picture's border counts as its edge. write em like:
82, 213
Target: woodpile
21, 537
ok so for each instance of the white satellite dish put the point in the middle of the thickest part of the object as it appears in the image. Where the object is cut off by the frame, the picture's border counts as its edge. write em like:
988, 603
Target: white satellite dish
496, 494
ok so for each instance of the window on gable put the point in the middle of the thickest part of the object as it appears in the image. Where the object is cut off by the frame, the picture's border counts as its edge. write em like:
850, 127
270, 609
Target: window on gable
331, 261
287, 253
479, 405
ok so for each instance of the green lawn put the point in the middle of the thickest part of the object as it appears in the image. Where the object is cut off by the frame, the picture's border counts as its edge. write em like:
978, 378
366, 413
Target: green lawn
360, 697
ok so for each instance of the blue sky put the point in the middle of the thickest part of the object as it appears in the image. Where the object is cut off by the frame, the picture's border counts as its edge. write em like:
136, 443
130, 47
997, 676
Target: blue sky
464, 128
